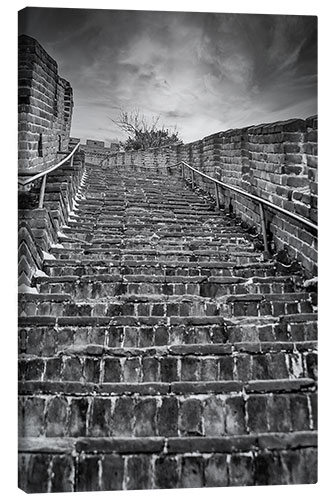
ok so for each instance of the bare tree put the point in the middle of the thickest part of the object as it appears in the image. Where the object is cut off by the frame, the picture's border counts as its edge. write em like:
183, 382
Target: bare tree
144, 133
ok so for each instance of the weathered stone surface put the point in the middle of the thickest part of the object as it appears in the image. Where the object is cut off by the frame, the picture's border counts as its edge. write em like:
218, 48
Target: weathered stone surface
170, 353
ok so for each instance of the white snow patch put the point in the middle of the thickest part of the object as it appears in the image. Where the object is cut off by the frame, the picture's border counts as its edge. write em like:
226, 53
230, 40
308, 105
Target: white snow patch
48, 256
57, 245
62, 235
40, 274
26, 289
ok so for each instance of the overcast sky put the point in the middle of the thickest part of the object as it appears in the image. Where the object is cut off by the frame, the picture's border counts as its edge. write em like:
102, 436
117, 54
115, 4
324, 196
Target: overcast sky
201, 72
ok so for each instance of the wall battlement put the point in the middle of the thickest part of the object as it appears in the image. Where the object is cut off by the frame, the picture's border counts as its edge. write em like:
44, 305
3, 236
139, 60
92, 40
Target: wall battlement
45, 105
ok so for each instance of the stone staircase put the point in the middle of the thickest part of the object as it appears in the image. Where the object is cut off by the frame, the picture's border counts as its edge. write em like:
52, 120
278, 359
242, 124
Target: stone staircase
161, 349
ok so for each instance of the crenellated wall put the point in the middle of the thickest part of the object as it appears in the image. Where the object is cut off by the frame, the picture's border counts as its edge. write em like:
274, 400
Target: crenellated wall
45, 105
276, 161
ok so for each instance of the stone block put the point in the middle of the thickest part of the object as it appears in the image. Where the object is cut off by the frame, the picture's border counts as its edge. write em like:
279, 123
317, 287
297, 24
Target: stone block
191, 417
112, 472
138, 472
56, 417
167, 472
100, 418
167, 417
192, 472
88, 473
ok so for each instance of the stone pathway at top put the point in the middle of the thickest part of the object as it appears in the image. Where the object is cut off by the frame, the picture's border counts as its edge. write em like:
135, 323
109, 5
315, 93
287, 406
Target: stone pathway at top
161, 350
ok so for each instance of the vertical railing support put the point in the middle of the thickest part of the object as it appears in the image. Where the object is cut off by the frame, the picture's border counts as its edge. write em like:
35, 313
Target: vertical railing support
192, 179
263, 227
183, 171
42, 192
217, 196
71, 161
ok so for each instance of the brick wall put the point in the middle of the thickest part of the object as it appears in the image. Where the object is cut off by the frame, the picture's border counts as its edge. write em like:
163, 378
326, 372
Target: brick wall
277, 161
96, 151
45, 104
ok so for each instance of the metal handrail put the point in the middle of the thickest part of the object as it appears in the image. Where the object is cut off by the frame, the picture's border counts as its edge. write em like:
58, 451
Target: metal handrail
44, 175
261, 201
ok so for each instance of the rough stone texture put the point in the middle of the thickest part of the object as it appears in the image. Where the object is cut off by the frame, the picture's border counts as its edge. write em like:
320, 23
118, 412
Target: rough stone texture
276, 161
163, 349
45, 104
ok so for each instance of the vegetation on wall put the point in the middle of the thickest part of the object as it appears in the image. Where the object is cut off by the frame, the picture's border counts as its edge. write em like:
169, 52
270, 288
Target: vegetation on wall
144, 133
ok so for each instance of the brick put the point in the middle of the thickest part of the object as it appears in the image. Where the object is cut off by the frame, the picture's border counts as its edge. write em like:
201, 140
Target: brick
56, 417
209, 369
88, 473
300, 466
53, 369
299, 412
168, 367
225, 367
100, 418
260, 367
216, 471
190, 417
62, 477
144, 420
77, 417
161, 336
268, 469
235, 415
72, 369
192, 472
257, 413
167, 417
112, 370
138, 472
213, 417
33, 417
150, 369
311, 365
122, 424
241, 470
34, 369
166, 472
277, 366
132, 370
189, 368
112, 472
38, 473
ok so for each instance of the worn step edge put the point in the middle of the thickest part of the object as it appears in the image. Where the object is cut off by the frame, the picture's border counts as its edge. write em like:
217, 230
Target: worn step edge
225, 444
162, 320
184, 350
155, 388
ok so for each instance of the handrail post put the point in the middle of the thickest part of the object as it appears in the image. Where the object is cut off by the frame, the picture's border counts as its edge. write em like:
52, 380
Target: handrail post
42, 192
183, 171
71, 161
263, 227
192, 179
217, 196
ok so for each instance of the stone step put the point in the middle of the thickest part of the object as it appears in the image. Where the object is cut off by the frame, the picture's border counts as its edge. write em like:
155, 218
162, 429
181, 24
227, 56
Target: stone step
55, 464
192, 362
175, 409
166, 305
111, 262
181, 259
100, 464
46, 335
110, 285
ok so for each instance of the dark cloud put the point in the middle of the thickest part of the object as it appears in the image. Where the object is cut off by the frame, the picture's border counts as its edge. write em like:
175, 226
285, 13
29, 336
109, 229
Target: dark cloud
202, 72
